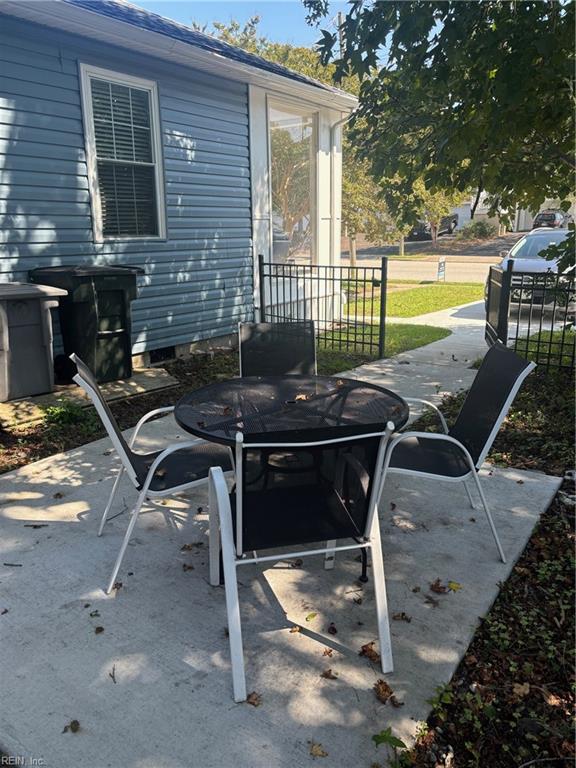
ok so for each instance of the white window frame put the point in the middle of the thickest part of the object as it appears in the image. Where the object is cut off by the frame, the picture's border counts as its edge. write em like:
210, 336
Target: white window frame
88, 71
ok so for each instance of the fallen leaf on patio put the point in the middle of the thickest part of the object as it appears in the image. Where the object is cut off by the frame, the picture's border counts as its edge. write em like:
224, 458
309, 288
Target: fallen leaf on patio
438, 587
294, 629
403, 524
327, 651
382, 690
370, 652
36, 525
392, 506
254, 698
3, 611
332, 629
472, 519
191, 546
432, 601
521, 689
311, 616
301, 397
86, 605
58, 495
402, 617
117, 585
130, 573
454, 586
98, 630
520, 482
107, 453
199, 510
357, 600
415, 589
186, 567
329, 675
297, 563
317, 750
73, 726
93, 614
113, 674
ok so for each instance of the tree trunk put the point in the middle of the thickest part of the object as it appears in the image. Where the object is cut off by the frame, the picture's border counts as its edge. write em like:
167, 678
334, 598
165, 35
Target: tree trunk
352, 249
434, 232
401, 246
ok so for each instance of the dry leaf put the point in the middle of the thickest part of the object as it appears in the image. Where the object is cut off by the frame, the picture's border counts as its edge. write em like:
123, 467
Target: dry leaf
327, 652
117, 585
98, 630
301, 397
186, 567
392, 506
58, 495
415, 589
520, 482
382, 691
357, 600
311, 616
454, 586
329, 675
521, 689
317, 750
332, 629
438, 587
402, 617
297, 563
93, 614
294, 629
552, 699
73, 726
254, 698
370, 652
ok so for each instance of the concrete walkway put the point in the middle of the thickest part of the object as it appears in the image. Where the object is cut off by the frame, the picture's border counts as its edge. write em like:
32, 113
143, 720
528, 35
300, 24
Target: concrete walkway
152, 689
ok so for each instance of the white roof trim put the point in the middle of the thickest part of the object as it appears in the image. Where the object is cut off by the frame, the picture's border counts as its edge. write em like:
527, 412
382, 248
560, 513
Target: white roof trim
68, 18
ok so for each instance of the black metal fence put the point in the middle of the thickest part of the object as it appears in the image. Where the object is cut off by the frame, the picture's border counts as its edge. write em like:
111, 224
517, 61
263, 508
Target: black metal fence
347, 304
533, 313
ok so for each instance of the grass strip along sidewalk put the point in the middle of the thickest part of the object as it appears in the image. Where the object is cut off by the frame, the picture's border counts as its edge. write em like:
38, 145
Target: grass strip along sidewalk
417, 301
511, 701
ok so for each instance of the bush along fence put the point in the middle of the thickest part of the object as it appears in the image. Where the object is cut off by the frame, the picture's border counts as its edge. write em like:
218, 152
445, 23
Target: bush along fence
533, 313
339, 300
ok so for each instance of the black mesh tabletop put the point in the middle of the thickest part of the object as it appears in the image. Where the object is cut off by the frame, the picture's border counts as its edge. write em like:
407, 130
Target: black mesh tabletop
289, 409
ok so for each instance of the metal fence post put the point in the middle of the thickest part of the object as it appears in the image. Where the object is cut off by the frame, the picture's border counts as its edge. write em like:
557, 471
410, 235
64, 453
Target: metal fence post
383, 288
262, 289
504, 308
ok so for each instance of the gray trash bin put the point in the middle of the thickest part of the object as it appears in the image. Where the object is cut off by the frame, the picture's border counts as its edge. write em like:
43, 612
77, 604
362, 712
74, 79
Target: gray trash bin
26, 366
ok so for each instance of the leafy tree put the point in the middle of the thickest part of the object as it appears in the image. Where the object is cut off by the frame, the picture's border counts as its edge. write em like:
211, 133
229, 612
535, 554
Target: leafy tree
462, 95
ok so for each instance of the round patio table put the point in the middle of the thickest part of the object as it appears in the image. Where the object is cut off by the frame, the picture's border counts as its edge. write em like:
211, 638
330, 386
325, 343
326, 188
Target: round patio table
294, 409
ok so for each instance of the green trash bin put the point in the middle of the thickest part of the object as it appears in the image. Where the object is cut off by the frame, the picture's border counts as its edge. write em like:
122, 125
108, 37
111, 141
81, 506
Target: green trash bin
95, 317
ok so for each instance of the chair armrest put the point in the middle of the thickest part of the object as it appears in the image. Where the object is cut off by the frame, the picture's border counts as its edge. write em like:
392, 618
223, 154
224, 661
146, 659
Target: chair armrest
147, 417
428, 436
173, 448
433, 407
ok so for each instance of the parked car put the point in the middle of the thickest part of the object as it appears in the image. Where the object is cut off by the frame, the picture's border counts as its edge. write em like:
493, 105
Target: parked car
422, 230
551, 218
527, 254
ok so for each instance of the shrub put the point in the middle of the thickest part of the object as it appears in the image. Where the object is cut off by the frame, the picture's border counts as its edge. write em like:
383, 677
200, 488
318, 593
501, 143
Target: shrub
477, 230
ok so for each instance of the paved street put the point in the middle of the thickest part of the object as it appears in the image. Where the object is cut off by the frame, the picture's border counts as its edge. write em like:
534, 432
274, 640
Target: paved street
473, 270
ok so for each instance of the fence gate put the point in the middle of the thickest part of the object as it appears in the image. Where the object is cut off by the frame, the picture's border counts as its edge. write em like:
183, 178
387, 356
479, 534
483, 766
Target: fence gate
346, 304
533, 313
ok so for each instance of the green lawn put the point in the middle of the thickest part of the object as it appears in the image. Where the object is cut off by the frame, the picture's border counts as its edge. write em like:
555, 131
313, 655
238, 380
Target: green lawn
549, 348
420, 300
399, 338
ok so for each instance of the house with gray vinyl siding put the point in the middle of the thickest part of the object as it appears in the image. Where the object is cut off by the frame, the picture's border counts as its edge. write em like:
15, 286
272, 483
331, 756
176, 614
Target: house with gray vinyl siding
128, 139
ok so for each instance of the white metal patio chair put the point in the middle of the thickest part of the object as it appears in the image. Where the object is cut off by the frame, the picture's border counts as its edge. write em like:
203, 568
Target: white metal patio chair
457, 454
296, 511
178, 468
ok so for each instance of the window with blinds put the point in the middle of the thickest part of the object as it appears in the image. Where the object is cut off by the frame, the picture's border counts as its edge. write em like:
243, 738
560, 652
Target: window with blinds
123, 119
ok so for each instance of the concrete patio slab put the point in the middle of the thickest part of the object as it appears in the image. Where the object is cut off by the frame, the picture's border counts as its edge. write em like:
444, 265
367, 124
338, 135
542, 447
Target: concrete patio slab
153, 689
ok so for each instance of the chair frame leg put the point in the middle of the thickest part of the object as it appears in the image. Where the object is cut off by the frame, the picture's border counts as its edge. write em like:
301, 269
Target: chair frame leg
214, 536
379, 580
470, 499
111, 499
330, 556
489, 516
135, 513
232, 603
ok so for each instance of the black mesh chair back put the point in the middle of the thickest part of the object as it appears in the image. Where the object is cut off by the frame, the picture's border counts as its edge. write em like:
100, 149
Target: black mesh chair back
496, 384
86, 376
327, 499
275, 349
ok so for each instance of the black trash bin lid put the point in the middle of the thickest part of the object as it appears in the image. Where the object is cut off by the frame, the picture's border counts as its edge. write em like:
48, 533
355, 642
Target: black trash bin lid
88, 270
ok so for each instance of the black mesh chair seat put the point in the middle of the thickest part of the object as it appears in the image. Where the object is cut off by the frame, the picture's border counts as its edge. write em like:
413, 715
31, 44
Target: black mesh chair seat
182, 467
435, 457
315, 514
